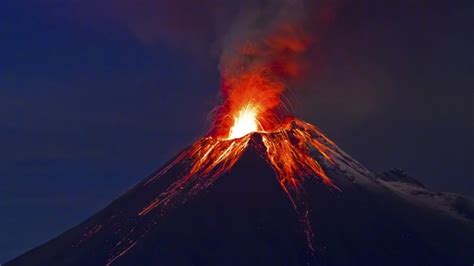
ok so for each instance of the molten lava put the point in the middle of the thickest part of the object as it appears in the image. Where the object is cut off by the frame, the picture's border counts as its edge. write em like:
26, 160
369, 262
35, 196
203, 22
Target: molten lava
245, 122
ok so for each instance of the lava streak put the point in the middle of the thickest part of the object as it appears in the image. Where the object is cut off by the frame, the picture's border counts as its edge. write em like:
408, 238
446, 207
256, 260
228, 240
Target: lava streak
205, 160
293, 150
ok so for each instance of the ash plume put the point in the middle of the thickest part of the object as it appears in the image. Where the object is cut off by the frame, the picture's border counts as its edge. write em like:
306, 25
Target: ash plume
265, 48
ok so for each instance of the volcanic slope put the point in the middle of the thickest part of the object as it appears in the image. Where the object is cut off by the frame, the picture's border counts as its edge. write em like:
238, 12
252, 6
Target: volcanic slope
245, 218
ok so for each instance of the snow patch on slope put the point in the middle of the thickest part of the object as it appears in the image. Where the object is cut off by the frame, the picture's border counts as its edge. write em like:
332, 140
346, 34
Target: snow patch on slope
413, 191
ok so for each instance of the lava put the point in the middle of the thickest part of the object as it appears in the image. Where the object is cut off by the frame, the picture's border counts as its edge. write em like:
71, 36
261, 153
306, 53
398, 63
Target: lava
245, 122
252, 103
206, 160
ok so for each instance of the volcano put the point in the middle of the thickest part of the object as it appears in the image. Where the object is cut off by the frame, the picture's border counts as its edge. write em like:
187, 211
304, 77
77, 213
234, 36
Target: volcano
263, 187
286, 197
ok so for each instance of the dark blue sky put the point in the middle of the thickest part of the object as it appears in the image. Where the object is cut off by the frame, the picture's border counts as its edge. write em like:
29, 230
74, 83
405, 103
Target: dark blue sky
89, 107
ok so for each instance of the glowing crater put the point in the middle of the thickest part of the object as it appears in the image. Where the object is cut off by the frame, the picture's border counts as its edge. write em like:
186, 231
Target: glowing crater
245, 122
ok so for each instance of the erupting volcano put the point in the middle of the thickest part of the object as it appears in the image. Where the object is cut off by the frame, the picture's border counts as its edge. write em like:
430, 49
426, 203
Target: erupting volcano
266, 188
289, 145
253, 108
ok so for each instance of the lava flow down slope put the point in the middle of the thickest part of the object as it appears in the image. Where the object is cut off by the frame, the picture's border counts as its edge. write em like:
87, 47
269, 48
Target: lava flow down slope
266, 188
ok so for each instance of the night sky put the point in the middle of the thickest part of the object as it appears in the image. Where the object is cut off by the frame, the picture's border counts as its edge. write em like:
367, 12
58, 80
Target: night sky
96, 96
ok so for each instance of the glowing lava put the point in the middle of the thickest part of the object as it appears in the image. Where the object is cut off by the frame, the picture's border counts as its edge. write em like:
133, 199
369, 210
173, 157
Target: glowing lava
245, 122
